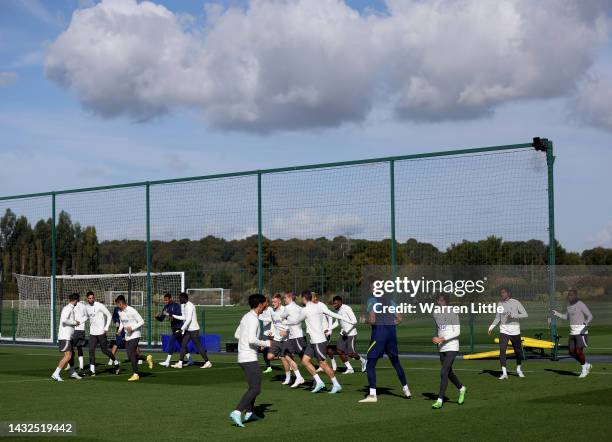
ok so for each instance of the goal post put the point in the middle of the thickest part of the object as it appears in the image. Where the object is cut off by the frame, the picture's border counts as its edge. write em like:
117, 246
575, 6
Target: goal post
35, 313
210, 297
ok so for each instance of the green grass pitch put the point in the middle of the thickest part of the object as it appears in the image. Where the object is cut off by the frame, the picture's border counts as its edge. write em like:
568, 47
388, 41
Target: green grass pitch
193, 404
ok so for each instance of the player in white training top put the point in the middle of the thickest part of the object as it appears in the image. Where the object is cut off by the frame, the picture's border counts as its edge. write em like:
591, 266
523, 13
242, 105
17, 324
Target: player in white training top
447, 339
509, 330
346, 346
312, 314
99, 321
131, 322
247, 334
274, 316
78, 338
579, 317
296, 345
67, 323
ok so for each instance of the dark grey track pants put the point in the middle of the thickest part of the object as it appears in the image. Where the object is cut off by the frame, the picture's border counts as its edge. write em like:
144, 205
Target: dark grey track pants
94, 341
130, 347
252, 373
446, 372
516, 345
194, 335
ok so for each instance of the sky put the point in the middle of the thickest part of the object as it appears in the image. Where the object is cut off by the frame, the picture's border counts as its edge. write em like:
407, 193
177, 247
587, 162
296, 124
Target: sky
95, 93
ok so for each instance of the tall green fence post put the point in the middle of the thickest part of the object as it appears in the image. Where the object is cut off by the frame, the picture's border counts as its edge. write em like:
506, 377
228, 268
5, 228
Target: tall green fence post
322, 280
392, 187
149, 285
53, 271
471, 332
14, 323
259, 238
552, 245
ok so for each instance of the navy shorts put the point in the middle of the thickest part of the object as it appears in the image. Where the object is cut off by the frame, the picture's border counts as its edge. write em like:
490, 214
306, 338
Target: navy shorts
120, 339
383, 341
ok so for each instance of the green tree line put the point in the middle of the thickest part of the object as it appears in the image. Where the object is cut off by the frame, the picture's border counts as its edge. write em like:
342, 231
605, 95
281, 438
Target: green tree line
325, 263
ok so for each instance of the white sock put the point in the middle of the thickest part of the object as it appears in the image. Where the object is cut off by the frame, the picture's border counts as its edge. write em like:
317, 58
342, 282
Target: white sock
335, 382
287, 376
439, 400
372, 391
333, 363
518, 369
189, 357
92, 368
57, 372
139, 361
504, 371
406, 389
168, 357
348, 365
462, 389
298, 375
317, 379
80, 362
247, 415
116, 361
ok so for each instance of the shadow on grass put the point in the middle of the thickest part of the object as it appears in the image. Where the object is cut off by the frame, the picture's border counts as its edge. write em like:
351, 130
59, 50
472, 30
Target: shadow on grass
562, 372
382, 391
261, 409
494, 373
433, 397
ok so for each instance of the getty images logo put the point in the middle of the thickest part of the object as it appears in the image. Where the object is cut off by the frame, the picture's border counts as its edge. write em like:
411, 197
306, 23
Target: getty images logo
411, 287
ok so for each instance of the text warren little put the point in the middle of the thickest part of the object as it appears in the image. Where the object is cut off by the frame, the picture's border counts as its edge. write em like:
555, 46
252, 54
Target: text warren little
431, 308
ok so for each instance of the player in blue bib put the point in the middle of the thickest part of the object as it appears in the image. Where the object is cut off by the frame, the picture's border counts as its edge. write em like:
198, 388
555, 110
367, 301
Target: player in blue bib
383, 341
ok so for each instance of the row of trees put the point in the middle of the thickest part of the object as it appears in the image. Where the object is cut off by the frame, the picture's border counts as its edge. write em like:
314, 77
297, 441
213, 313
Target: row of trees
324, 263
27, 249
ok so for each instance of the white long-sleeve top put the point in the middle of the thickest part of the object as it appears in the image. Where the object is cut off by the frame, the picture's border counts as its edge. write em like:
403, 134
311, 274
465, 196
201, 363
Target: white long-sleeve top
312, 314
130, 317
509, 326
449, 329
294, 312
189, 317
348, 325
329, 324
99, 318
80, 314
275, 319
66, 323
247, 334
579, 317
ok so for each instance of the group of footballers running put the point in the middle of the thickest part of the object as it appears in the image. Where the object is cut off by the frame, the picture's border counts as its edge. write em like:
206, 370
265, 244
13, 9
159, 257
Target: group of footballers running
128, 323
285, 340
276, 332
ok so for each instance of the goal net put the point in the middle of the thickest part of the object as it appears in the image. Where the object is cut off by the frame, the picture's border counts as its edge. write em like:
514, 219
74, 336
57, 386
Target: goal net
134, 298
212, 297
36, 310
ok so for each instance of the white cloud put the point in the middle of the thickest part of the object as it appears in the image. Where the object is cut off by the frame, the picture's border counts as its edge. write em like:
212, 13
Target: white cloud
312, 224
293, 64
603, 238
592, 103
7, 78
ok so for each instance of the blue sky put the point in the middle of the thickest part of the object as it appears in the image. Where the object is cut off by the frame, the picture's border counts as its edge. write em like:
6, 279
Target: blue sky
50, 139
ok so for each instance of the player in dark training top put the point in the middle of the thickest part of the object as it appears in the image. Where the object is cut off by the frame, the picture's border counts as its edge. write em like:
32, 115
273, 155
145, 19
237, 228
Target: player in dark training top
383, 341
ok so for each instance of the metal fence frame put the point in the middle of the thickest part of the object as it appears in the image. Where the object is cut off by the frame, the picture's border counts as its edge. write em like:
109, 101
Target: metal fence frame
541, 144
